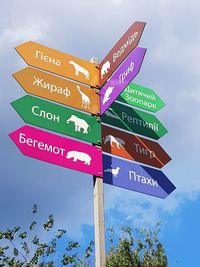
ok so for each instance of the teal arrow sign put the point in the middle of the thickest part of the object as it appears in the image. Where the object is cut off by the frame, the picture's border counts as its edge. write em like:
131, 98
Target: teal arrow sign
59, 119
134, 120
141, 97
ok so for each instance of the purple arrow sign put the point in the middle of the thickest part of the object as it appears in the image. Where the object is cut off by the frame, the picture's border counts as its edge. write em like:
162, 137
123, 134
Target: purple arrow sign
136, 177
121, 78
58, 150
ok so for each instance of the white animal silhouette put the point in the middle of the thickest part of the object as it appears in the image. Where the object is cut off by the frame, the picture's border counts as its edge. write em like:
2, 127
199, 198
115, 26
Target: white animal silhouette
114, 172
109, 114
79, 156
107, 94
114, 140
105, 68
85, 99
79, 68
79, 124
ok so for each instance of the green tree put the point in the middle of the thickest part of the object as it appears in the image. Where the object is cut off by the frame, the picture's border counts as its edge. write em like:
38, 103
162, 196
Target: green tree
133, 248
138, 248
25, 249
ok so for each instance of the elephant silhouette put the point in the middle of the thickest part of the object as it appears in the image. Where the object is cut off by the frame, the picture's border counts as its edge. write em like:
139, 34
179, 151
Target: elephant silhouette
79, 124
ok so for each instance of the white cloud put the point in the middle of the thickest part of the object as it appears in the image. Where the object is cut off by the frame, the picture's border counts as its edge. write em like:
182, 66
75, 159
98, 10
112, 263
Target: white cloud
118, 2
142, 210
171, 68
33, 28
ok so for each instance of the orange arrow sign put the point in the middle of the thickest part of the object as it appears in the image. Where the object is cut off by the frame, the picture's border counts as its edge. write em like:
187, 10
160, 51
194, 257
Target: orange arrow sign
57, 89
54, 61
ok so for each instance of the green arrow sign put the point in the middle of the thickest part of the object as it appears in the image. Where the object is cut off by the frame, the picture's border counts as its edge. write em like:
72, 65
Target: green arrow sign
134, 120
141, 97
59, 119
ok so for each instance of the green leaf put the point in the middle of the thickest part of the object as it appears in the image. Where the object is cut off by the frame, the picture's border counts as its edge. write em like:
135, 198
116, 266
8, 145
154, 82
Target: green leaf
23, 235
32, 226
89, 249
16, 229
15, 252
35, 240
2, 250
25, 247
9, 234
34, 209
52, 248
49, 224
67, 259
60, 233
1, 234
72, 245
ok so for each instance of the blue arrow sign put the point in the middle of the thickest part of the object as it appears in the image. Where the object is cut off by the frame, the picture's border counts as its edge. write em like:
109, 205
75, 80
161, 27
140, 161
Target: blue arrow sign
136, 177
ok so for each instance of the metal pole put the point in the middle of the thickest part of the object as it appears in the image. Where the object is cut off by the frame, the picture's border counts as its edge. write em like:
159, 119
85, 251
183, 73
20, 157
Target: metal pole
100, 257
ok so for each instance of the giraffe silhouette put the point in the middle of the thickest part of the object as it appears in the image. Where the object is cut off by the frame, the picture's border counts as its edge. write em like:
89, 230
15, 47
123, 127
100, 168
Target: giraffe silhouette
85, 99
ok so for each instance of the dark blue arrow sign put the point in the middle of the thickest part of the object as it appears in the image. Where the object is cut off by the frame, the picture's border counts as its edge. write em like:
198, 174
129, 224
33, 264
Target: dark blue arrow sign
136, 177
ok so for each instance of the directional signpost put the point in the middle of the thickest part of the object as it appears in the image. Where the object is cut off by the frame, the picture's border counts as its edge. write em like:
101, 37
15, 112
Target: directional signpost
58, 150
109, 81
141, 97
136, 177
59, 119
120, 51
57, 89
133, 147
54, 61
121, 78
134, 120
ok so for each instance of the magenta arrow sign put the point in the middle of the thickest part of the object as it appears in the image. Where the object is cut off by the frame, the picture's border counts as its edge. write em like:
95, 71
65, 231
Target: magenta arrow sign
121, 78
58, 150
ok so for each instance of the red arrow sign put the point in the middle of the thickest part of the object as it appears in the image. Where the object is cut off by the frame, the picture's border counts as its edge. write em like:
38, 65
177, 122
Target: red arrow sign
120, 51
133, 147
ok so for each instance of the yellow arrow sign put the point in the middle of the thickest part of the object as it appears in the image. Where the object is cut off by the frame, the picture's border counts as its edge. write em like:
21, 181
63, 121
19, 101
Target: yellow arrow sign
57, 89
54, 61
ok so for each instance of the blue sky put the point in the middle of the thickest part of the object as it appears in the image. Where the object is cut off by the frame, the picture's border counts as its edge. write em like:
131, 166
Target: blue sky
171, 67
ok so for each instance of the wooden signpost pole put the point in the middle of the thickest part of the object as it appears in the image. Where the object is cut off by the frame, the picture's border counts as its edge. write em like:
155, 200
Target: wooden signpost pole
99, 227
100, 258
